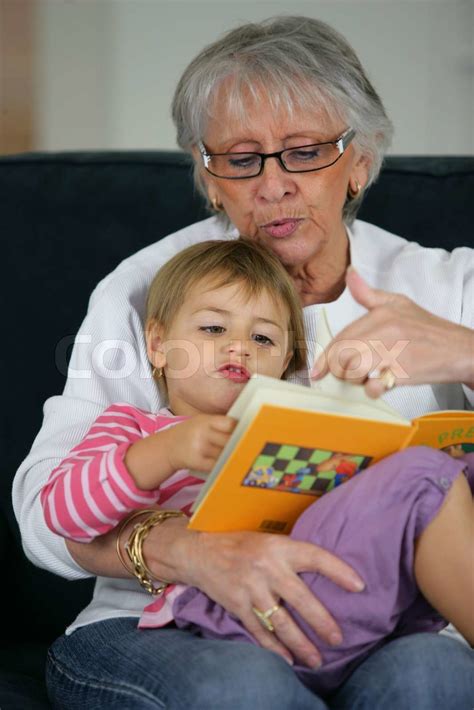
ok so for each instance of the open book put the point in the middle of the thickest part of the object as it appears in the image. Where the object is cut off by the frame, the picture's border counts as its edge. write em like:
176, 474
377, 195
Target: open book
294, 443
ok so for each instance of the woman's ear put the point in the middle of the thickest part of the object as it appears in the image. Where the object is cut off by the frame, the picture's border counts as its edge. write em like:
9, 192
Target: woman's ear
359, 176
207, 180
203, 174
154, 335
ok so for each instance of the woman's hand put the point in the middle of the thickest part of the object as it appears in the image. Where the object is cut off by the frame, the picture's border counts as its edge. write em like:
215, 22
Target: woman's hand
415, 345
241, 570
238, 570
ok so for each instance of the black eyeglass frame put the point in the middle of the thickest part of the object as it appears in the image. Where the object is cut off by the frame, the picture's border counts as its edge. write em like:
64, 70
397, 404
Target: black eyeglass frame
341, 143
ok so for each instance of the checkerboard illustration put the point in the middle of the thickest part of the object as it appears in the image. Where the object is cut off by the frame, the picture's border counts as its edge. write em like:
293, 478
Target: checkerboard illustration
295, 469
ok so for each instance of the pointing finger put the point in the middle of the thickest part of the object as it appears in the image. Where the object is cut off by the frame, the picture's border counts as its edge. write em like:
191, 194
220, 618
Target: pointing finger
363, 293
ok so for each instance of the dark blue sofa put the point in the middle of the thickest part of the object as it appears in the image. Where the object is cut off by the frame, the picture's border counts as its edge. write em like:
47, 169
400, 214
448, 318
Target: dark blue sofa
66, 220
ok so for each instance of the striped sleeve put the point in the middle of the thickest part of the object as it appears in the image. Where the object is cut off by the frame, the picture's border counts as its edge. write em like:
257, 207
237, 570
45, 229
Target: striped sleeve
91, 490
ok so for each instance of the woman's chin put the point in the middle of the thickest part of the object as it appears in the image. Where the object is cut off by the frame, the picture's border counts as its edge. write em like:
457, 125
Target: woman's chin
291, 251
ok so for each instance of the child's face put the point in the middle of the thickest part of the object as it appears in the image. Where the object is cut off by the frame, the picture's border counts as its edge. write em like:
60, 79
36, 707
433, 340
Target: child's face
218, 339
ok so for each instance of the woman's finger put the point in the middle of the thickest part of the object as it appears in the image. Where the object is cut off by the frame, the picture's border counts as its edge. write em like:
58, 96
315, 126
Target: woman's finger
308, 557
266, 639
287, 585
352, 339
363, 293
287, 639
299, 597
356, 336
368, 369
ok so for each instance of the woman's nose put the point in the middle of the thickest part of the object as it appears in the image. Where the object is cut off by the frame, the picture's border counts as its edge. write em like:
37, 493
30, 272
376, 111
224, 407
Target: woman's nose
275, 182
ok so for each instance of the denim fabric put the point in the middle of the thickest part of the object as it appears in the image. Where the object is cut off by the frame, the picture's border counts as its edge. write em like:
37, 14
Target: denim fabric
114, 665
419, 672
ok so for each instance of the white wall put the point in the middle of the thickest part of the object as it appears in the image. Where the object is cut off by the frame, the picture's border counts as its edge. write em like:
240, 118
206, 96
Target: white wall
107, 68
72, 71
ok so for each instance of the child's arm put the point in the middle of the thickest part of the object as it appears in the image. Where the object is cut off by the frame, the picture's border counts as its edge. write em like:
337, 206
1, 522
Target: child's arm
118, 468
91, 490
195, 444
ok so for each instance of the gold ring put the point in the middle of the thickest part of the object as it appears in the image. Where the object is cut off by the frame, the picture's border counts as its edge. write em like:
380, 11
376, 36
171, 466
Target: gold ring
264, 616
387, 378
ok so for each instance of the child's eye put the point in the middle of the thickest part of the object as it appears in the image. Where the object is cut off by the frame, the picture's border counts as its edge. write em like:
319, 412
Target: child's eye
263, 339
213, 329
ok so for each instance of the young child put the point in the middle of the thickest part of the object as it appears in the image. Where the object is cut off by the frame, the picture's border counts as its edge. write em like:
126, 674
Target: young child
217, 313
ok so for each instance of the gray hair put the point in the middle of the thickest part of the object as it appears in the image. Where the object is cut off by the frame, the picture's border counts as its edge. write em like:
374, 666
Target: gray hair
296, 63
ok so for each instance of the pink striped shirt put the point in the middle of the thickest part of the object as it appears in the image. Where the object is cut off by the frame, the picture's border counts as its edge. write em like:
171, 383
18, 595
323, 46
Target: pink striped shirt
91, 490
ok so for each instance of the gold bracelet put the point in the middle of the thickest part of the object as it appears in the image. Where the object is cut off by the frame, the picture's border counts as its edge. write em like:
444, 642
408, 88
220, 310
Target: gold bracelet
125, 522
134, 547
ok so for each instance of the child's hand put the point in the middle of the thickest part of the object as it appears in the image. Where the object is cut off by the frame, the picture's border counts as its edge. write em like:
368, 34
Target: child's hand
197, 442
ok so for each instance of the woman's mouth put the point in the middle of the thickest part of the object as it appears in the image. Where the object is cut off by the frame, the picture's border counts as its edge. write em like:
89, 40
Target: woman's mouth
281, 227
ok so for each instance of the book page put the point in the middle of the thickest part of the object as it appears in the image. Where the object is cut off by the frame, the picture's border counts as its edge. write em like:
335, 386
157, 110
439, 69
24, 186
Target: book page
333, 386
267, 390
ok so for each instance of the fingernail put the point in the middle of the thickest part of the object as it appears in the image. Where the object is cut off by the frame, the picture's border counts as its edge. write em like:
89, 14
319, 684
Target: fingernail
288, 660
314, 662
335, 638
358, 584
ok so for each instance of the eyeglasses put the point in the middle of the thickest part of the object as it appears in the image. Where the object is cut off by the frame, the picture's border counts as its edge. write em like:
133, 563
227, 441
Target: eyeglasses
300, 159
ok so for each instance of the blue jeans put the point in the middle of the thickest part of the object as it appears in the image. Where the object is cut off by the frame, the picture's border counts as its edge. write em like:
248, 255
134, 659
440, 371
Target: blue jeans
112, 664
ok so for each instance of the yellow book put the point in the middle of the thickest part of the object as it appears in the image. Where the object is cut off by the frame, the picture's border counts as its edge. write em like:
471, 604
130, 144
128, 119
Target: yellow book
293, 443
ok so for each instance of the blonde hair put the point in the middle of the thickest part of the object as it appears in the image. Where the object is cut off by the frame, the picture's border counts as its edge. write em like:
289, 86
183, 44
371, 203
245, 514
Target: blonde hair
227, 262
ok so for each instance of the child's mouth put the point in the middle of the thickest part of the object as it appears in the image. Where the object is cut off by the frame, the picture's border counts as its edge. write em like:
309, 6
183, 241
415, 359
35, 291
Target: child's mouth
236, 373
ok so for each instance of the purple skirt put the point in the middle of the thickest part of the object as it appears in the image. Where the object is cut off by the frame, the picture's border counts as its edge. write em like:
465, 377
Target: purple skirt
370, 522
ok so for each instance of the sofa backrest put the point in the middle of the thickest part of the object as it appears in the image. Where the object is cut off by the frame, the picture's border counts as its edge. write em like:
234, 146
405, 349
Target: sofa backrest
67, 220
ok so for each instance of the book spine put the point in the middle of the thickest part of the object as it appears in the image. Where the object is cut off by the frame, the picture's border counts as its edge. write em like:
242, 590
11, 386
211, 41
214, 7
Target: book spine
410, 436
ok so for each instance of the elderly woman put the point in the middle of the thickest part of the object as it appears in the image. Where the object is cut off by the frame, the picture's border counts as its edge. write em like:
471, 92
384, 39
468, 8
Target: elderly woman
287, 133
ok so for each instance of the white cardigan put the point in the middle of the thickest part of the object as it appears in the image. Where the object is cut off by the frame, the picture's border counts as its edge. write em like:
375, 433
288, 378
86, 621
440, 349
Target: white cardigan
109, 364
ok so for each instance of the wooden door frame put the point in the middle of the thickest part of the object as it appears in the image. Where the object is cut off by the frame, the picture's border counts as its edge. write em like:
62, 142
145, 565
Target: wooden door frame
16, 76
